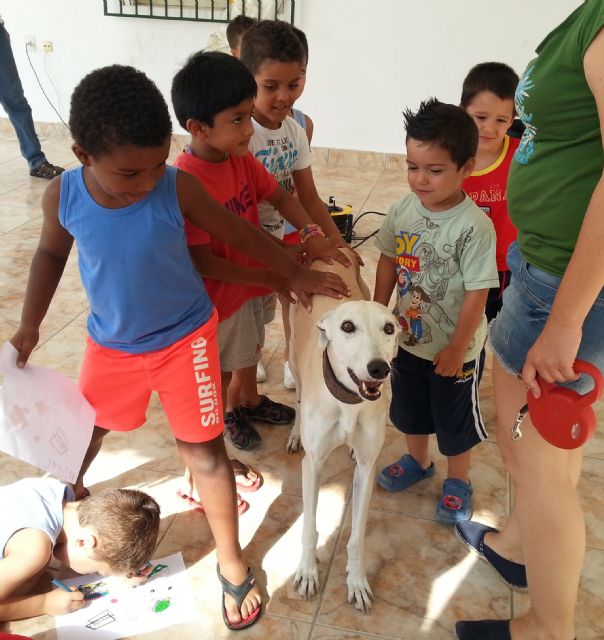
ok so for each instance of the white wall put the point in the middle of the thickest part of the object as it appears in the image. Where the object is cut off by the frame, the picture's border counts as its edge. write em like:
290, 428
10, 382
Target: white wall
368, 59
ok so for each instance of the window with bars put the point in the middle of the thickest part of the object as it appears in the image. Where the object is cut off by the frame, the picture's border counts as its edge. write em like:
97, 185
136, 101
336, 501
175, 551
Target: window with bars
201, 10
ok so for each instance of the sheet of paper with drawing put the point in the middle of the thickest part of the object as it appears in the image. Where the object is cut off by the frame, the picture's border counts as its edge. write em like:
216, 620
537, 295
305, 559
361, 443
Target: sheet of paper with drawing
114, 610
44, 419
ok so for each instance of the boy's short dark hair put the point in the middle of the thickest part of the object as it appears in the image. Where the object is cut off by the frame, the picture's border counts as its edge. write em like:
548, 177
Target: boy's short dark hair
209, 83
236, 28
446, 126
271, 40
303, 39
496, 77
126, 523
118, 105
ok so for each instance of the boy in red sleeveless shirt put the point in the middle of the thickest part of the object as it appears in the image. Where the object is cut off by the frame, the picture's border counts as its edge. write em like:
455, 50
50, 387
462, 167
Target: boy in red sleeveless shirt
488, 96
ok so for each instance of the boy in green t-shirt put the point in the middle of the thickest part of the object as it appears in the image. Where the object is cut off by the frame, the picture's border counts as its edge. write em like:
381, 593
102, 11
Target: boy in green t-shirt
438, 248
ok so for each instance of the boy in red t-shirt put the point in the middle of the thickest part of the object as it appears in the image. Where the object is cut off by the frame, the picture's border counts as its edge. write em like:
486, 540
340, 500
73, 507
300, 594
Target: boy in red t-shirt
488, 96
213, 96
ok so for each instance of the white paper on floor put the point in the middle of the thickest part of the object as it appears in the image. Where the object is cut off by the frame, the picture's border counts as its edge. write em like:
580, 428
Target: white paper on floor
118, 611
44, 419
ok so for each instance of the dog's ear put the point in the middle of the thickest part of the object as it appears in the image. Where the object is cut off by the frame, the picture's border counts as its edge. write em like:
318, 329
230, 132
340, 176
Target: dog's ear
322, 326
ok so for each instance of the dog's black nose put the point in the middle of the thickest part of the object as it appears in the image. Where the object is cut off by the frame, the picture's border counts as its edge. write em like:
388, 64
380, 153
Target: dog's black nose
378, 369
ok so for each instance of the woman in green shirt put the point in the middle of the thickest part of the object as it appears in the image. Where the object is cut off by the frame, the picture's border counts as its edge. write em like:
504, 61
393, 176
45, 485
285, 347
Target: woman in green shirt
553, 313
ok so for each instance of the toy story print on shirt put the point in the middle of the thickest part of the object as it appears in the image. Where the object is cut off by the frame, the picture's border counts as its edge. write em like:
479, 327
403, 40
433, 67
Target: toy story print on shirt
439, 256
425, 264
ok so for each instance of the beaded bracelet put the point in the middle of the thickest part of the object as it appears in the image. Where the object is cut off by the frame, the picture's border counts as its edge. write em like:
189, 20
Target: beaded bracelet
311, 231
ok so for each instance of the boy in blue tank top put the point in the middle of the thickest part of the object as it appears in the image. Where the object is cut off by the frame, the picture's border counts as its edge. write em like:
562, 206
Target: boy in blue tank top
151, 325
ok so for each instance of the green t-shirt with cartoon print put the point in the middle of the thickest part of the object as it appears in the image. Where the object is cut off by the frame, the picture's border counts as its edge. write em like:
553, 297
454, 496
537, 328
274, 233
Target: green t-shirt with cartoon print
439, 255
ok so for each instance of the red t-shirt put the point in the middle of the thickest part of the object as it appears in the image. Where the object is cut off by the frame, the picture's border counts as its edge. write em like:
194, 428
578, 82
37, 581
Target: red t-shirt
239, 184
488, 189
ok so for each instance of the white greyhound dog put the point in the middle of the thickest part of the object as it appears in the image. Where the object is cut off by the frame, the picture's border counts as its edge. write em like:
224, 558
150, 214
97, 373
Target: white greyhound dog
340, 358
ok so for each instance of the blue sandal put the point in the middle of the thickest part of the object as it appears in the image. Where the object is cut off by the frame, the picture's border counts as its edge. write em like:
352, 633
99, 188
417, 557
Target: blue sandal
403, 473
455, 503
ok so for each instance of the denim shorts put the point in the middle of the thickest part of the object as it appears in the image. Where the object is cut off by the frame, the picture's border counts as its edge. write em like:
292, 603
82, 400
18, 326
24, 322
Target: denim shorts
527, 303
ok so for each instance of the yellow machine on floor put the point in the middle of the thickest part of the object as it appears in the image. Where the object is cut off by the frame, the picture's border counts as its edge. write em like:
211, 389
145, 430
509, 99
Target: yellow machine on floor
342, 216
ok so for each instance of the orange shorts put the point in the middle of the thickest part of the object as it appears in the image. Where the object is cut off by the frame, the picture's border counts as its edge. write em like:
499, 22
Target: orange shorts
186, 376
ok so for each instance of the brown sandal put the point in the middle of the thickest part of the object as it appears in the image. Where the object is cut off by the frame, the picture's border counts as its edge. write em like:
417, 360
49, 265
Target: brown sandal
46, 170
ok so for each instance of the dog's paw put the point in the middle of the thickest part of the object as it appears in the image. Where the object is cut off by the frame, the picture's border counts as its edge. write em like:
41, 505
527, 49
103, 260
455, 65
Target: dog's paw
294, 441
359, 592
306, 581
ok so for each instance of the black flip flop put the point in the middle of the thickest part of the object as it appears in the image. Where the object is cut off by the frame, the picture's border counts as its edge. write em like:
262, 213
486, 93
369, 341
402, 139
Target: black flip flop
238, 592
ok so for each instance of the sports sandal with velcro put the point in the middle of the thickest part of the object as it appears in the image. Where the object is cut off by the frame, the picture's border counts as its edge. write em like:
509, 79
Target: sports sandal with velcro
270, 411
240, 431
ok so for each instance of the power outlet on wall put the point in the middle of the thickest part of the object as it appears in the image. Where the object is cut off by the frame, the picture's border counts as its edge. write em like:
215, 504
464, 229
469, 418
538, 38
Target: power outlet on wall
47, 46
30, 41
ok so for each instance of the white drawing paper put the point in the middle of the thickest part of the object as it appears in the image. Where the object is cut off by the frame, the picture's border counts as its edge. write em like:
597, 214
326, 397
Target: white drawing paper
44, 419
119, 611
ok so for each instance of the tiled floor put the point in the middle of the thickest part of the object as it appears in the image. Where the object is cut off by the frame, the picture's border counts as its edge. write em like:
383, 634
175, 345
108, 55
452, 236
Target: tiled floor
422, 578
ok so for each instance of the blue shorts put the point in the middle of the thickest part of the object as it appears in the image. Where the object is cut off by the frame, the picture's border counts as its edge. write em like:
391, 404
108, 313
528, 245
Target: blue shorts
424, 402
527, 303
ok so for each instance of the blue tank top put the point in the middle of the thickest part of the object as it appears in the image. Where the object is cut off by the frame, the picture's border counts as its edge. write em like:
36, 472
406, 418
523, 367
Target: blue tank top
143, 289
299, 117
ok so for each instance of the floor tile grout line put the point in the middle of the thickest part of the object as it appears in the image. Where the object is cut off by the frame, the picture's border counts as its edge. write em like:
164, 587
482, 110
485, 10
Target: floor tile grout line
509, 485
373, 188
331, 560
47, 340
363, 633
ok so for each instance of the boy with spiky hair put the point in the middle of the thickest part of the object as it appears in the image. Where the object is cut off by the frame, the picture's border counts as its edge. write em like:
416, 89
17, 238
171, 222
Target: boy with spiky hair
447, 246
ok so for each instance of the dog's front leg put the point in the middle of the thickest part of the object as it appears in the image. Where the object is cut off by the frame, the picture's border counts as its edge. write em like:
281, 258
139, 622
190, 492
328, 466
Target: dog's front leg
293, 442
359, 591
307, 575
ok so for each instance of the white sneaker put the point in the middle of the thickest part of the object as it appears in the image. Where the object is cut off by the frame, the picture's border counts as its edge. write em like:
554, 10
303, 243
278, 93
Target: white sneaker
260, 373
288, 378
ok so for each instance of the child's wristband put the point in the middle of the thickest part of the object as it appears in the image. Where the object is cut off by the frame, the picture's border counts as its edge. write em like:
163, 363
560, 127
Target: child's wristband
310, 231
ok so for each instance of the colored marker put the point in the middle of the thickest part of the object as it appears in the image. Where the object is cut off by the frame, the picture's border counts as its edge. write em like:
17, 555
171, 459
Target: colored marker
157, 568
60, 584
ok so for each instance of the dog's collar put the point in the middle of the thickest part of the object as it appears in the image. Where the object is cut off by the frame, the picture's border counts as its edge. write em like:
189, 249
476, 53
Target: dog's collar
335, 387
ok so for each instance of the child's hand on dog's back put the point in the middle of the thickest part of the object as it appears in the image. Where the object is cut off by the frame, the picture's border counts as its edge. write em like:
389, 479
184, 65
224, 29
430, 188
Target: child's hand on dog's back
58, 601
305, 282
319, 248
339, 242
24, 341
